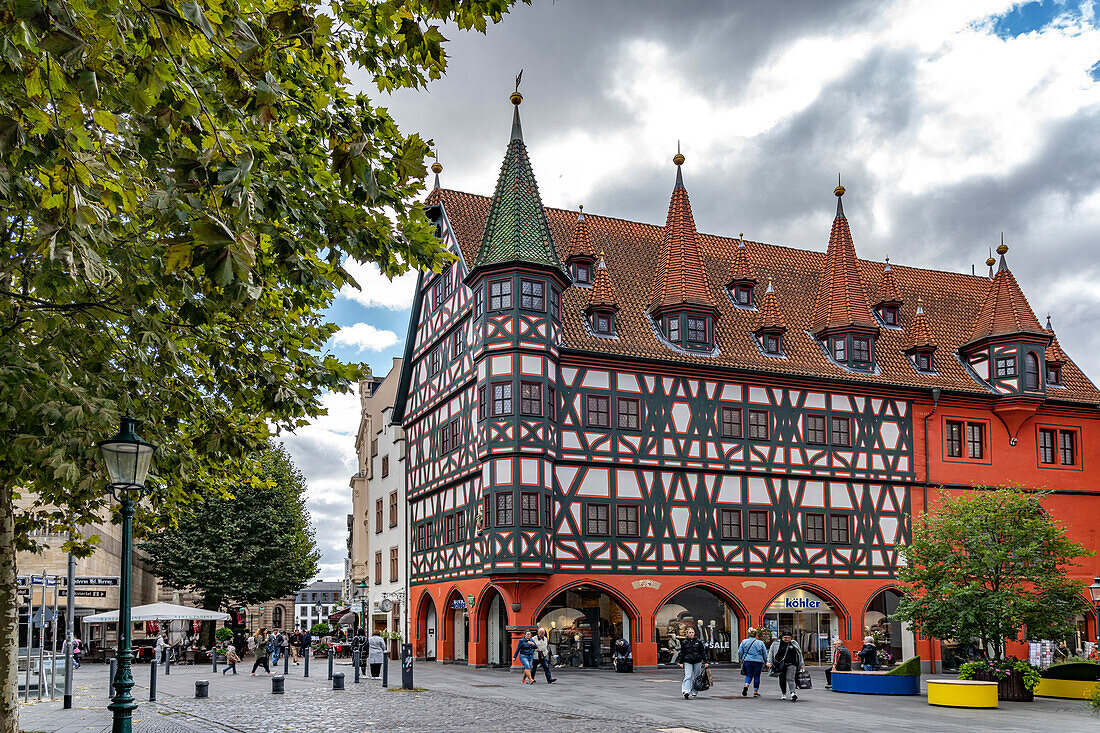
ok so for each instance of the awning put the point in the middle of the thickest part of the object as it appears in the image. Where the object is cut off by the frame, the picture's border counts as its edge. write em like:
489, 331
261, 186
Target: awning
159, 612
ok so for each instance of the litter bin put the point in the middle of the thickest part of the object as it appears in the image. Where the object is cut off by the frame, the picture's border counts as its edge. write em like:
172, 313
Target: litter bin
202, 688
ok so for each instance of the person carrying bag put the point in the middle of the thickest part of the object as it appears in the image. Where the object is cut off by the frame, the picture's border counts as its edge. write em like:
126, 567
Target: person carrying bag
785, 660
753, 653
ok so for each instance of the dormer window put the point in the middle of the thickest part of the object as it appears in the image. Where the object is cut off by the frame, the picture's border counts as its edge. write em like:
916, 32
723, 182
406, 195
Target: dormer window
889, 315
861, 349
840, 349
672, 329
742, 296
772, 343
1031, 372
697, 331
582, 273
1054, 375
923, 361
603, 323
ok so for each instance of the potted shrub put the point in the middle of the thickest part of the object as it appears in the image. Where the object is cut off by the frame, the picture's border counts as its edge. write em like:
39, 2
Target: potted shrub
1016, 679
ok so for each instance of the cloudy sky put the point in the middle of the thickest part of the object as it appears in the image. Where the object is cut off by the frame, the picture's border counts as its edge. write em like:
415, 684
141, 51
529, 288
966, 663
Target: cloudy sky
951, 122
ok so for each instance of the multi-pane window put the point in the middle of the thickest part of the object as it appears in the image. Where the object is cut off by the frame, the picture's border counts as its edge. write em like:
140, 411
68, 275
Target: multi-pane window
841, 431
771, 343
504, 509
758, 526
953, 439
421, 544
443, 286
730, 520
460, 525
486, 513
840, 349
890, 316
393, 564
583, 274
975, 440
697, 330
924, 361
626, 520
1005, 366
500, 295
393, 508
815, 528
731, 422
454, 433
378, 561
445, 438
530, 398
548, 511
450, 529
481, 403
743, 296
532, 295
385, 466
1031, 371
1054, 375
555, 302
436, 359
502, 398
601, 324
672, 328
598, 519
598, 411
551, 403
758, 424
378, 515
815, 429
458, 343
479, 302
628, 413
529, 509
1067, 442
838, 529
861, 349
1046, 445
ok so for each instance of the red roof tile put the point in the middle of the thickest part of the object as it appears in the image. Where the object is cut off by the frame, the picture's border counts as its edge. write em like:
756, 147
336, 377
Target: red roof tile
632, 251
770, 315
920, 335
741, 269
888, 287
841, 299
580, 243
681, 279
1005, 310
603, 292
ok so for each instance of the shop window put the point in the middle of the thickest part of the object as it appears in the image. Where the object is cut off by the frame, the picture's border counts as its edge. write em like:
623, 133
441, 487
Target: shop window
1005, 366
500, 295
1054, 375
393, 509
879, 621
840, 349
502, 398
598, 411
1031, 371
529, 509
838, 529
731, 422
532, 295
758, 526
1067, 442
809, 619
672, 329
759, 424
530, 398
841, 431
815, 429
586, 621
628, 413
714, 621
626, 520
597, 519
551, 403
504, 509
730, 520
450, 529
975, 440
814, 528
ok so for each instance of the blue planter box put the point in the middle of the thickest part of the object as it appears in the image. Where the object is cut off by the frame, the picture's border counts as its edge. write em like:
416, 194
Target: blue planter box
876, 683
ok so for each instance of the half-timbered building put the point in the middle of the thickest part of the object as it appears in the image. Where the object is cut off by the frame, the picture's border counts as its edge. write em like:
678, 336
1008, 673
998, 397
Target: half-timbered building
616, 429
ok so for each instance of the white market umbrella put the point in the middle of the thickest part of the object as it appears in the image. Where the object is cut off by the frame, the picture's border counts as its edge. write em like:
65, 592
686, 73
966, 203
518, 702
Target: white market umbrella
159, 612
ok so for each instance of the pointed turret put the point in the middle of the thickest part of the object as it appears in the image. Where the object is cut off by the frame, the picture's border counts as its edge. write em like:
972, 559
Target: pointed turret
888, 288
841, 302
1005, 310
516, 230
603, 295
919, 333
580, 247
1055, 358
741, 281
772, 325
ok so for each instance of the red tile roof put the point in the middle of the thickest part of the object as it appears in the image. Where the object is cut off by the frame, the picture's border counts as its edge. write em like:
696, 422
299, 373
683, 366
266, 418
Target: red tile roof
681, 279
632, 252
771, 317
580, 244
1005, 310
920, 335
741, 269
888, 288
603, 292
1054, 354
841, 298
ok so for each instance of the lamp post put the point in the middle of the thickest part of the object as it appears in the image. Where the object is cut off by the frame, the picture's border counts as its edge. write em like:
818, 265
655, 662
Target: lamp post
127, 457
362, 586
1094, 591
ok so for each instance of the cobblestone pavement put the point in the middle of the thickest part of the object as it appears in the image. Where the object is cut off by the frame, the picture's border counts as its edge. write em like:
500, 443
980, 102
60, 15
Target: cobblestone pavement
456, 698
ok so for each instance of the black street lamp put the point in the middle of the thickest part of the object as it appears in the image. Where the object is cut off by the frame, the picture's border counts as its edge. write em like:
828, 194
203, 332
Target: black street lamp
127, 457
1094, 591
362, 586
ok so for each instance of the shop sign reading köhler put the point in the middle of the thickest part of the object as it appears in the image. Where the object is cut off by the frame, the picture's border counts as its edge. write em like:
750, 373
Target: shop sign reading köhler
800, 603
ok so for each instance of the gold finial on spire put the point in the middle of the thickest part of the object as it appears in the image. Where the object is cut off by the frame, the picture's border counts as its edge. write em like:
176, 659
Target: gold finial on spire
437, 167
679, 158
1003, 247
990, 262
516, 97
839, 190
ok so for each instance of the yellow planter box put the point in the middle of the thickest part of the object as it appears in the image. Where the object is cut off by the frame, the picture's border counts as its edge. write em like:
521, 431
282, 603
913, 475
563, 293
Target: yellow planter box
962, 693
1069, 689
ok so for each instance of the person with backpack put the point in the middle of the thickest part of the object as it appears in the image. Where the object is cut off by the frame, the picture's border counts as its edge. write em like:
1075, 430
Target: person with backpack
868, 655
785, 660
231, 658
753, 653
693, 658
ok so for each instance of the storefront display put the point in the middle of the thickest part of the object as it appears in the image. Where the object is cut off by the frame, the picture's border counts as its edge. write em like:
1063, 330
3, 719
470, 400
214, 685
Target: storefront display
809, 619
582, 625
890, 634
713, 619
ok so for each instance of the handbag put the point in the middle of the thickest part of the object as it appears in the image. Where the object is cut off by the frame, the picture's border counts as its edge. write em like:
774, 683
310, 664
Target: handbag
802, 680
701, 682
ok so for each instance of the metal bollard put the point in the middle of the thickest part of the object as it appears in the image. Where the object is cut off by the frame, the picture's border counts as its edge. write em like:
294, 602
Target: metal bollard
277, 684
407, 666
386, 668
202, 688
330, 658
214, 656
338, 681
153, 681
167, 663
309, 653
355, 663
286, 661
113, 667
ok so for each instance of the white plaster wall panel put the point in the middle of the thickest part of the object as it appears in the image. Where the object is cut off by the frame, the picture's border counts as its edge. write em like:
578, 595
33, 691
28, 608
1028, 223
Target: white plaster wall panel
502, 365
889, 527
596, 379
552, 370
861, 460
874, 491
666, 383
731, 392
815, 400
877, 463
502, 469
758, 396
890, 432
777, 396
813, 494
568, 375
903, 407
796, 457
758, 491
681, 416
650, 382
876, 405
860, 402
569, 440
529, 471
709, 480
729, 489
840, 402
626, 382
633, 440
626, 484
565, 476
530, 365
595, 483
838, 496
903, 464
712, 451
669, 447
710, 389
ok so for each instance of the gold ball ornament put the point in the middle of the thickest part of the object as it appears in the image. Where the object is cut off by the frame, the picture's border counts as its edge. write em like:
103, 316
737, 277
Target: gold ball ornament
516, 98
838, 191
437, 168
990, 262
1002, 248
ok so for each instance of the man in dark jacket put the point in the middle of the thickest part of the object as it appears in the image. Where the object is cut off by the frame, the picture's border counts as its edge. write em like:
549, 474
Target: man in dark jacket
842, 662
868, 655
693, 658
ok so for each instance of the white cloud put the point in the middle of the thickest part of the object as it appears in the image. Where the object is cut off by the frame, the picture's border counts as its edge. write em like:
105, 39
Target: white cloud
377, 290
365, 337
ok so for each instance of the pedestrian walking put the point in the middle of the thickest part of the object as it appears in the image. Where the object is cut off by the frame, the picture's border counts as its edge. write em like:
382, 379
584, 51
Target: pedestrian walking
162, 649
359, 647
376, 650
295, 639
842, 662
261, 643
284, 642
753, 654
622, 657
542, 655
868, 655
307, 642
525, 650
231, 659
693, 658
785, 660
276, 646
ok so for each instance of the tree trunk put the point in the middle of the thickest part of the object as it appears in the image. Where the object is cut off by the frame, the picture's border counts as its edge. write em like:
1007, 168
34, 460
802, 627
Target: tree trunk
9, 618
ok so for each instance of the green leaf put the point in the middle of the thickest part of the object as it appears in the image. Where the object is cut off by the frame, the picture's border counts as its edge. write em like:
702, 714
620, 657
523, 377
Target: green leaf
194, 13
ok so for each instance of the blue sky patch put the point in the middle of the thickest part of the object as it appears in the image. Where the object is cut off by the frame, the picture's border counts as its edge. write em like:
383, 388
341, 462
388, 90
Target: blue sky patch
1037, 15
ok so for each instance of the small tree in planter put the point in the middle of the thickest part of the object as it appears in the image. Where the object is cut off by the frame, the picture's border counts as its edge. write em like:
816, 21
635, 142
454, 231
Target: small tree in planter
988, 565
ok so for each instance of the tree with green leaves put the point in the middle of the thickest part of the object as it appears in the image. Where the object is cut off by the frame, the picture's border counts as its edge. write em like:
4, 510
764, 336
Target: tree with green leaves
181, 183
249, 547
991, 564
